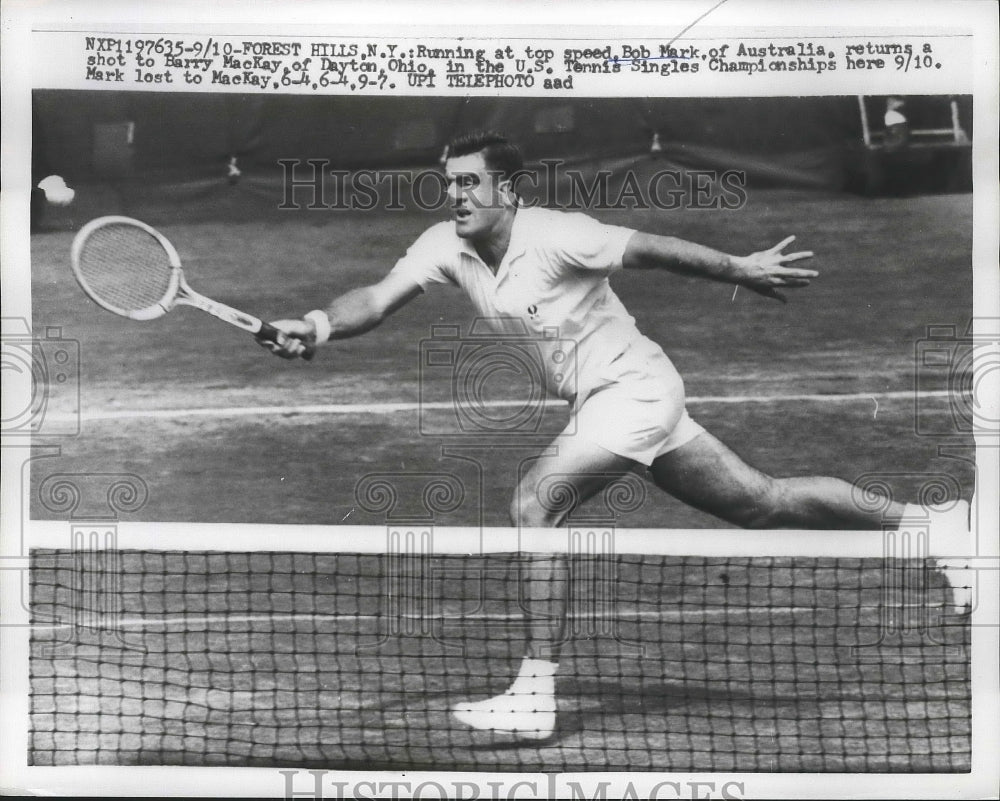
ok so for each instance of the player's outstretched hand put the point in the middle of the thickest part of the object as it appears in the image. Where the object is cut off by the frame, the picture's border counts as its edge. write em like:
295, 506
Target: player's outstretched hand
296, 344
766, 272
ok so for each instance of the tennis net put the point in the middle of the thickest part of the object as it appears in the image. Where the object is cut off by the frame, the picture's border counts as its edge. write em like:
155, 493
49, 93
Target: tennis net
672, 661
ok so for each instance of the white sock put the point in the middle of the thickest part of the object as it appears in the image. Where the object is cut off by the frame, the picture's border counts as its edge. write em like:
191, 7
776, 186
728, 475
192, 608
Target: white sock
946, 520
949, 528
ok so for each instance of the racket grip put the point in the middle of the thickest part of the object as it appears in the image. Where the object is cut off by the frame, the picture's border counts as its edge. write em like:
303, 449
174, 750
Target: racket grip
271, 334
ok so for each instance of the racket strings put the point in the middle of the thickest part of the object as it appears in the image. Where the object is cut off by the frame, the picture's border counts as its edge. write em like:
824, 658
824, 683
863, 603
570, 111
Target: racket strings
126, 267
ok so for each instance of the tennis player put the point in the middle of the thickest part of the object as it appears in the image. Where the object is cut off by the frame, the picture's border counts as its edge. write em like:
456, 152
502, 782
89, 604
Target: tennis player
550, 269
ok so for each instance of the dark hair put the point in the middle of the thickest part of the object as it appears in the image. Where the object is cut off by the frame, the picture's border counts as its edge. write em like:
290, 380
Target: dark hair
500, 155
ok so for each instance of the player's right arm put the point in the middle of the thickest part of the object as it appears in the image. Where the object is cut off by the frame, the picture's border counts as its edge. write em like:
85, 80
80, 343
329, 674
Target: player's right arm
348, 315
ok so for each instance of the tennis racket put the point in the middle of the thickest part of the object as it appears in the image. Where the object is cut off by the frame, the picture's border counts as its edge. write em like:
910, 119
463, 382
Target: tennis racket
131, 269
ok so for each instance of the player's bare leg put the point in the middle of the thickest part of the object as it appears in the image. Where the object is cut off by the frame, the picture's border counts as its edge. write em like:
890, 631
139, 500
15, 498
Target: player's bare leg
707, 475
553, 487
550, 490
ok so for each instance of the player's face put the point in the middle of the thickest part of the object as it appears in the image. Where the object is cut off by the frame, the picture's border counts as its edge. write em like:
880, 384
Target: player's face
478, 199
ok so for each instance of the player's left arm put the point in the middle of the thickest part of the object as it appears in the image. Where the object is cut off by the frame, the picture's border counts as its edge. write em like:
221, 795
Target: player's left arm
765, 272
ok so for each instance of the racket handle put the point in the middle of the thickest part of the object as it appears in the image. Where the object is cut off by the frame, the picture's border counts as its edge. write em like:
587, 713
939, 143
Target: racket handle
271, 334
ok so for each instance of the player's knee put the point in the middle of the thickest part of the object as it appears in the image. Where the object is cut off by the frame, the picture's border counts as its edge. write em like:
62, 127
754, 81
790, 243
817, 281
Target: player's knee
766, 509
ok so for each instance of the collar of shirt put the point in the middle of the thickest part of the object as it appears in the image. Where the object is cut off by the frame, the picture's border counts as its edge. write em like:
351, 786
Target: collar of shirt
518, 245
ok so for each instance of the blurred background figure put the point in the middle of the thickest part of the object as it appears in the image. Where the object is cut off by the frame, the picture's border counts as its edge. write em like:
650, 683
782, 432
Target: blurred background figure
897, 127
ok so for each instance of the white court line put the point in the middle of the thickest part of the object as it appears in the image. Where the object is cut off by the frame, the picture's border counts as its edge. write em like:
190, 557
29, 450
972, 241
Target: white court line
413, 406
625, 616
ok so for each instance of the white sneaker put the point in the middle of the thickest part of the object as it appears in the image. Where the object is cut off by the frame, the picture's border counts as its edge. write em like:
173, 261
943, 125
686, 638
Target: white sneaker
527, 709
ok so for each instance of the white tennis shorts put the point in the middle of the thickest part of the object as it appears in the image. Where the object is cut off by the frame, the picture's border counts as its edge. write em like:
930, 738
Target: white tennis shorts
639, 413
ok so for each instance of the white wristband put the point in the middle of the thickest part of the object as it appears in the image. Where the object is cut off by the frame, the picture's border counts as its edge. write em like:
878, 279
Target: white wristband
321, 321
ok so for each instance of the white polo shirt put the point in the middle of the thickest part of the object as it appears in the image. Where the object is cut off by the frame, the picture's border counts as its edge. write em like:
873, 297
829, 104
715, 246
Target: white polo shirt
553, 279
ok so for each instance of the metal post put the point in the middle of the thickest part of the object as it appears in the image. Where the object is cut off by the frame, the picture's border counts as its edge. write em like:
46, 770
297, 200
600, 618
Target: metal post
865, 131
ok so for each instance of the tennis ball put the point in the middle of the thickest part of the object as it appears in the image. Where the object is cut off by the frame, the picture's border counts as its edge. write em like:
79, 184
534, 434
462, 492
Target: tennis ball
56, 191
